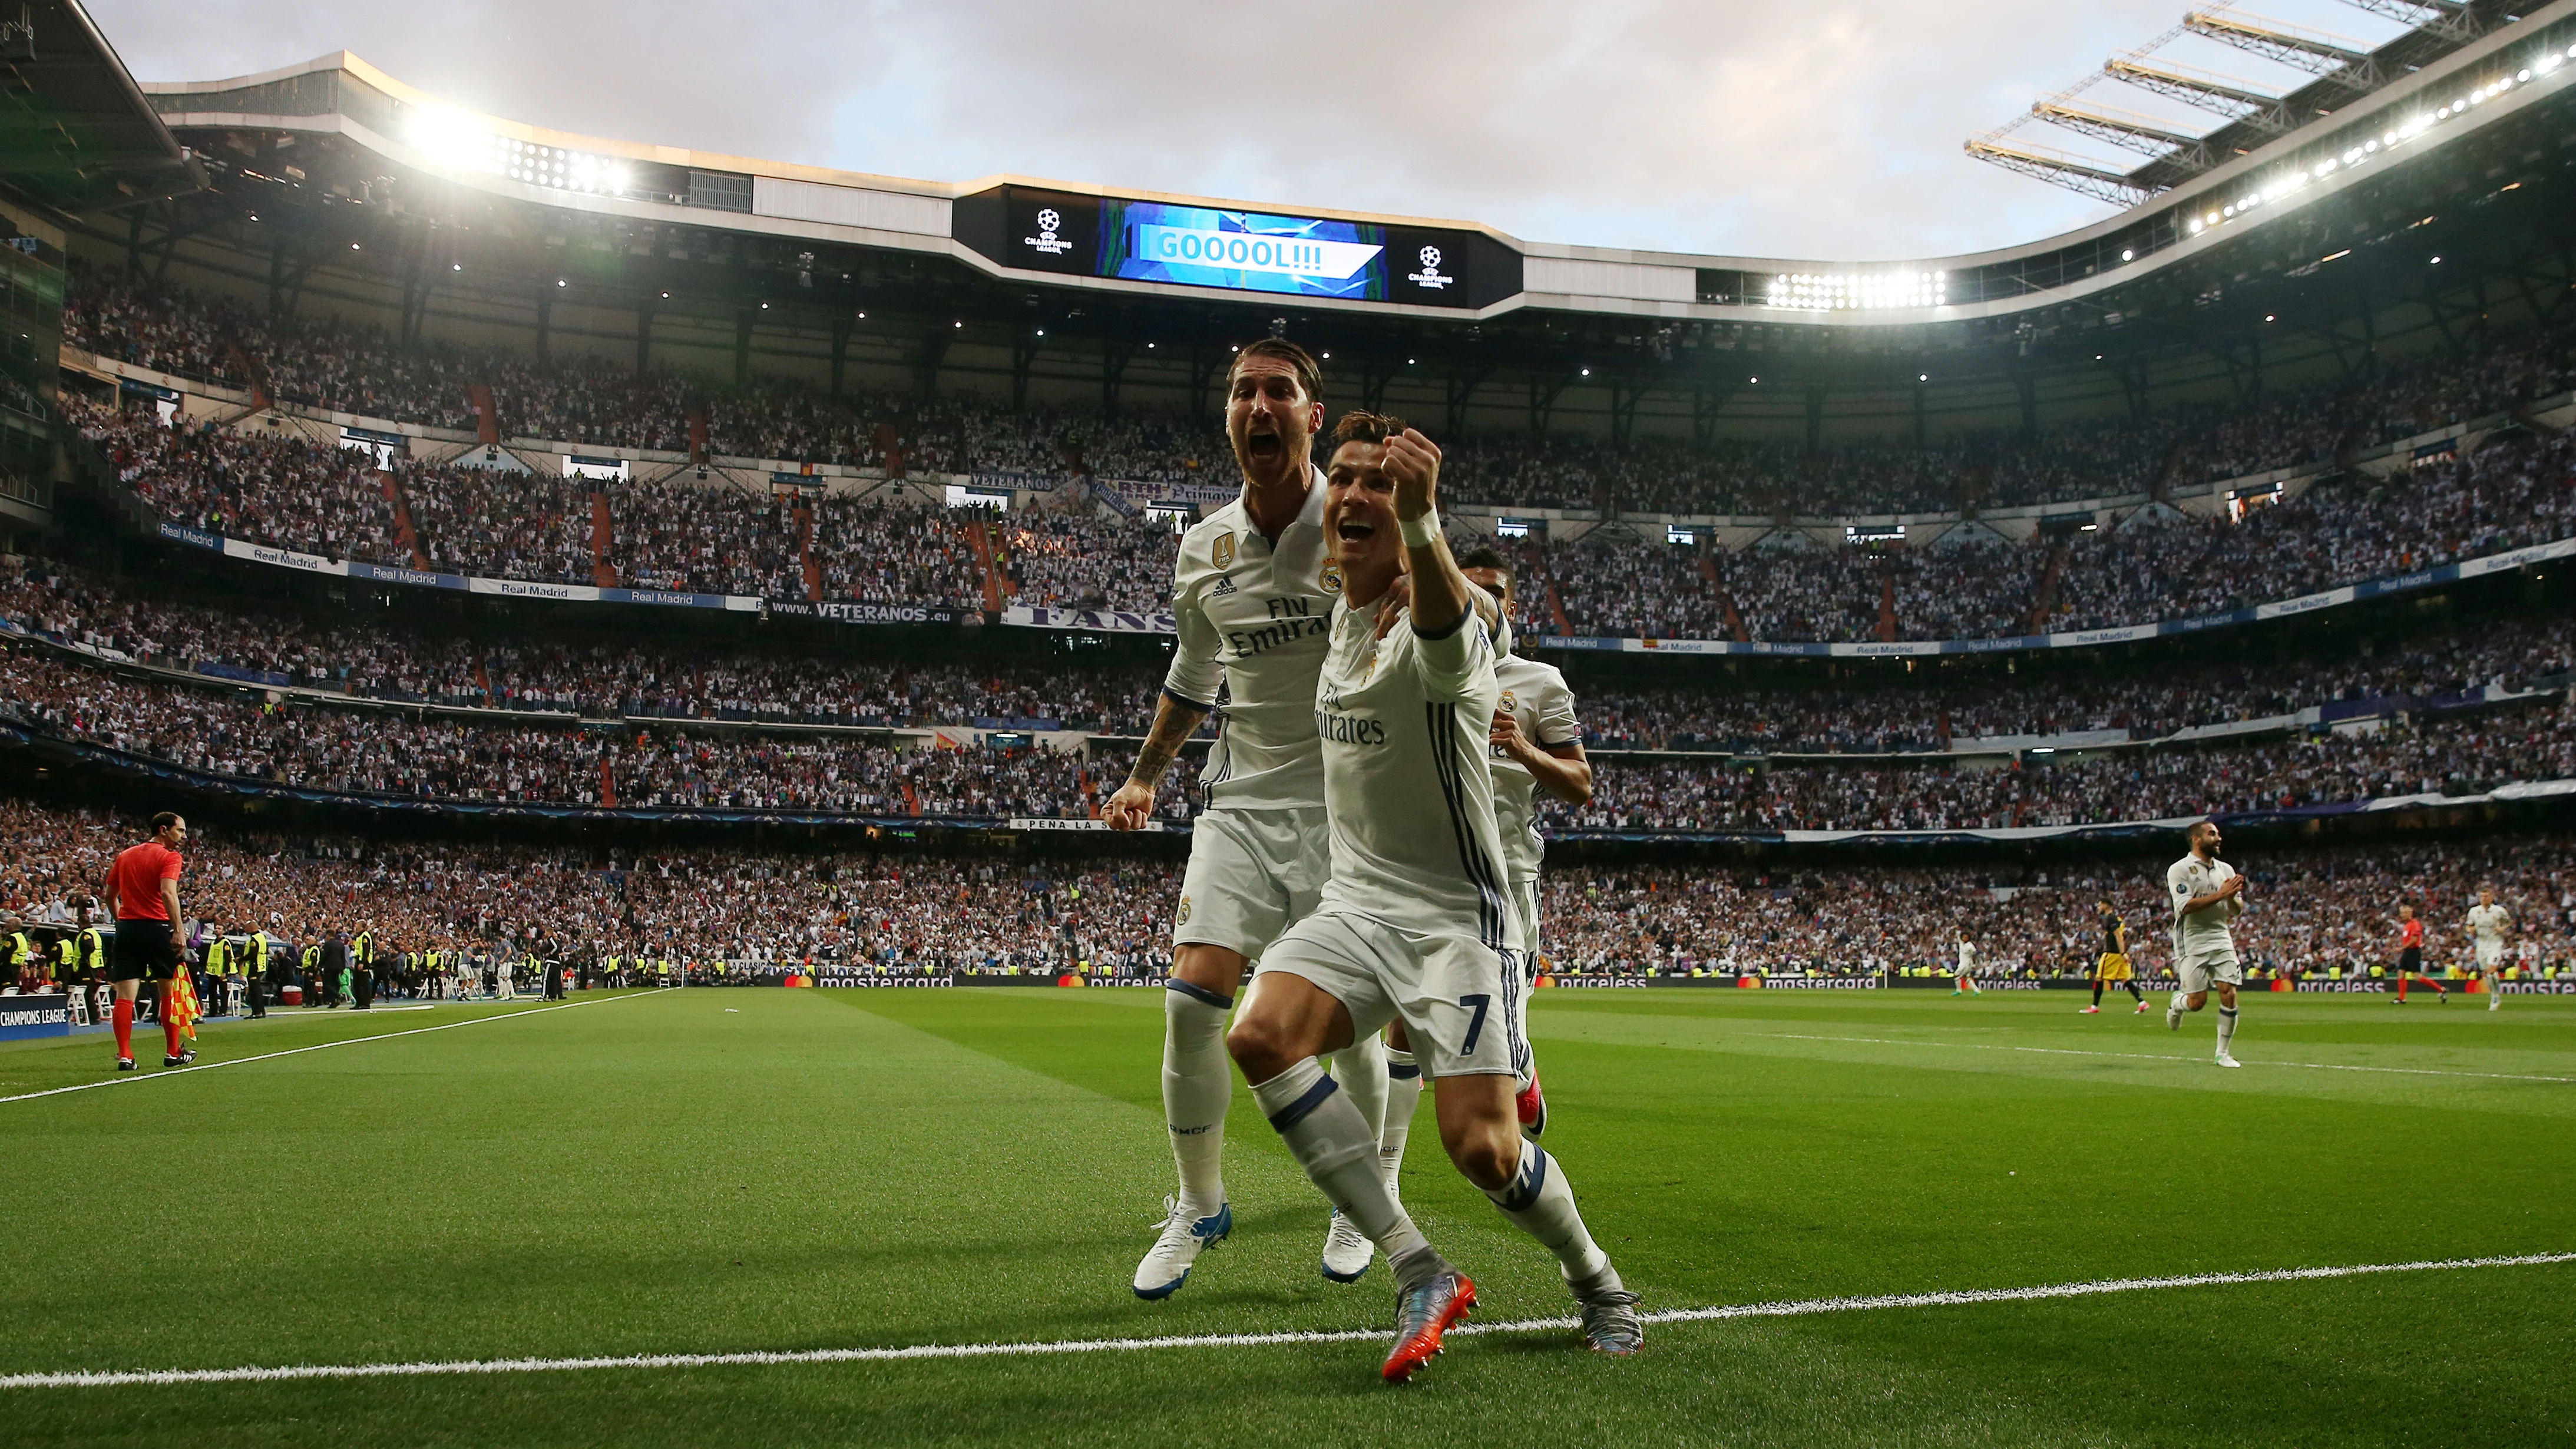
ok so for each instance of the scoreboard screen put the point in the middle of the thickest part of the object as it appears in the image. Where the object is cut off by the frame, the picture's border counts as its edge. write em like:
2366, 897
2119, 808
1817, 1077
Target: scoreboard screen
1235, 250
1242, 251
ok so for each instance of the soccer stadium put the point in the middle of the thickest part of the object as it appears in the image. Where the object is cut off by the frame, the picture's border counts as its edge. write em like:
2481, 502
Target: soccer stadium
1320, 825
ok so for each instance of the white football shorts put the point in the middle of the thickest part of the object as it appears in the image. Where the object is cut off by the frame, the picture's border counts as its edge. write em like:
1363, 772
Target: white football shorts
2196, 975
1252, 874
1459, 998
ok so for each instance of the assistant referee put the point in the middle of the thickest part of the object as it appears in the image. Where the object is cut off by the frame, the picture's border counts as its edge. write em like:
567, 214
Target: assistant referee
143, 895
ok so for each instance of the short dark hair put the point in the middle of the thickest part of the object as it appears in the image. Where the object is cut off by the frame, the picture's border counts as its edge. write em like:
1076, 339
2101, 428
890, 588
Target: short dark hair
1310, 376
1362, 426
164, 821
1484, 557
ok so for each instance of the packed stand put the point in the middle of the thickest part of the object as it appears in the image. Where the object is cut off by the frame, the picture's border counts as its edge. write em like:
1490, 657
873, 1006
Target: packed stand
848, 913
2323, 913
2435, 756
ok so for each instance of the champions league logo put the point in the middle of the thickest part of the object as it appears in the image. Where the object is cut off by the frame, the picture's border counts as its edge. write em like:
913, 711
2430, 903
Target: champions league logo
1048, 242
1430, 278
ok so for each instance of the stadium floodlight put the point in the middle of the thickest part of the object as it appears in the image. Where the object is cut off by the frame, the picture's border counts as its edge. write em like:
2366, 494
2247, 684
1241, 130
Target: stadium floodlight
455, 141
1824, 292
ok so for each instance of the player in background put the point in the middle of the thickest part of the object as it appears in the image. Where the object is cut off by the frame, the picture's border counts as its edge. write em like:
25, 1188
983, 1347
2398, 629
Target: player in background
1413, 922
2410, 957
2207, 893
2487, 924
1252, 597
1965, 982
1537, 745
143, 897
2114, 962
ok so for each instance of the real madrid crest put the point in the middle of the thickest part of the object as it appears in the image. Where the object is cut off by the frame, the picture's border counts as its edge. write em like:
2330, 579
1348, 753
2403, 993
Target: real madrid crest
1331, 577
1222, 553
1182, 916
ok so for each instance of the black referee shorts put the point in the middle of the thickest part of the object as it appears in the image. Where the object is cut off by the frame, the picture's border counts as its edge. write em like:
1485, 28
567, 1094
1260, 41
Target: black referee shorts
2411, 961
144, 951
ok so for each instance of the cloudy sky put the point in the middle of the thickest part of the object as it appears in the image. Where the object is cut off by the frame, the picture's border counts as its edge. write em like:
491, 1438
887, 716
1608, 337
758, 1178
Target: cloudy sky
1829, 129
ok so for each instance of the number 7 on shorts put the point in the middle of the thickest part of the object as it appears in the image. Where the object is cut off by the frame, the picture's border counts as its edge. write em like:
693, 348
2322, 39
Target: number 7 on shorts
1476, 1024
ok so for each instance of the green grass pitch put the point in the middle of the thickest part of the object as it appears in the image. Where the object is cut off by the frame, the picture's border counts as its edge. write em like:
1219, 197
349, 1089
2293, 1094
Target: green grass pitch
721, 1171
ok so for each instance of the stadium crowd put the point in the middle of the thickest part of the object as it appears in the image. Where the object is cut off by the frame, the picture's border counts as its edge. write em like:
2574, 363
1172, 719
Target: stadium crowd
1971, 584
715, 538
2433, 756
848, 912
237, 736
621, 679
231, 732
2326, 912
557, 675
587, 400
2315, 913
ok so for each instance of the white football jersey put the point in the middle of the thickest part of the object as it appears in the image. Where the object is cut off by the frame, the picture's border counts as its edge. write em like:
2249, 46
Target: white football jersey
2489, 922
1407, 784
2203, 933
1256, 619
1536, 695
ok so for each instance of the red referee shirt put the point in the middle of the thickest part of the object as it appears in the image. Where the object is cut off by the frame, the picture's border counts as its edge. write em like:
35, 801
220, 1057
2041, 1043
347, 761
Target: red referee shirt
136, 879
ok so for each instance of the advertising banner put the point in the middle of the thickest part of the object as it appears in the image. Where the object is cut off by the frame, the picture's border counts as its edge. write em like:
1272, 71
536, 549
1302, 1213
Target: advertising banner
31, 1016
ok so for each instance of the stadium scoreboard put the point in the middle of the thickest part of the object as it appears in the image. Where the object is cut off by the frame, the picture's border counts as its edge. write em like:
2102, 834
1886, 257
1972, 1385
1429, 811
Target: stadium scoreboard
1233, 250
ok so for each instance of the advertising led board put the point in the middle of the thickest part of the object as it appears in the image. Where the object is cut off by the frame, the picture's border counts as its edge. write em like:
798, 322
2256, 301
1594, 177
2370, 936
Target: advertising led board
1236, 250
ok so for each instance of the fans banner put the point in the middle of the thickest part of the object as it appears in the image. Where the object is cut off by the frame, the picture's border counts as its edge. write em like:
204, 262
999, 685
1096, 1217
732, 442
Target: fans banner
1107, 621
850, 611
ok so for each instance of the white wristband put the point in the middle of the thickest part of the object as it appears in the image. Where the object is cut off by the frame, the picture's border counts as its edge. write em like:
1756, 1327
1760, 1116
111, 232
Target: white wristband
1419, 532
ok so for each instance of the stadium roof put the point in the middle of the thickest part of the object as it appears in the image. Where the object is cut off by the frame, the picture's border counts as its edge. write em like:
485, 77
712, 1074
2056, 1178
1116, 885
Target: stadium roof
989, 224
76, 133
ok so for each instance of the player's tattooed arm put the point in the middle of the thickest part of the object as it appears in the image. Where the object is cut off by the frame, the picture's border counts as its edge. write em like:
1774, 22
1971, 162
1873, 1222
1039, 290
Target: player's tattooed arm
1175, 721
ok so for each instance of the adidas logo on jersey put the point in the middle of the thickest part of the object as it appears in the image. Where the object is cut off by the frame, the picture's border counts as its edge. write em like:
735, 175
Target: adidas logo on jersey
1224, 584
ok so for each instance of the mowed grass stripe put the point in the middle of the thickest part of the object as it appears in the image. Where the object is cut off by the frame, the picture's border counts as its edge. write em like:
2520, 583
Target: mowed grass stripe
1976, 1038
766, 1162
1953, 1298
207, 1064
2173, 1056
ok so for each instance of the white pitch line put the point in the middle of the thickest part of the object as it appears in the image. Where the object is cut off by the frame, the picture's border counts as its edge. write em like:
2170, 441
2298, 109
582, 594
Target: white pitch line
174, 1073
1789, 1309
1980, 1046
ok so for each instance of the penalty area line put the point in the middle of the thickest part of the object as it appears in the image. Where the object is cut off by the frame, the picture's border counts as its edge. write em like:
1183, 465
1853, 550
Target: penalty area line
1798, 1308
167, 1074
1981, 1046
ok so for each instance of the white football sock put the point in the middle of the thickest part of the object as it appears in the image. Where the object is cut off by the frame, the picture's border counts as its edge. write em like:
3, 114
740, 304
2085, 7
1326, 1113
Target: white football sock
1361, 1069
1403, 1095
2226, 1028
1198, 1083
1332, 1141
1539, 1203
